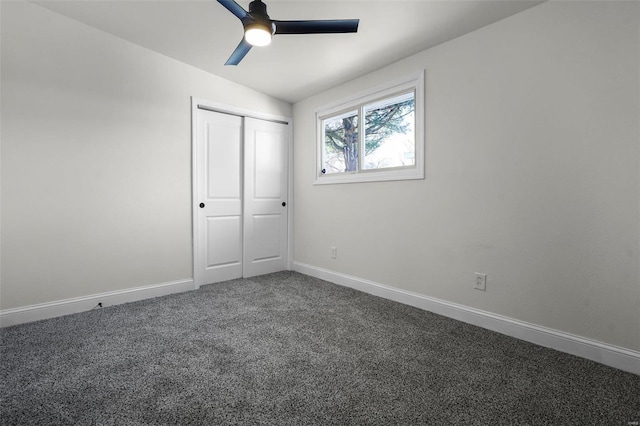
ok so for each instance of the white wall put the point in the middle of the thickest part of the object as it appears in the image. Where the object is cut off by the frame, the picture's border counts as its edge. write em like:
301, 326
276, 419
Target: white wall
96, 158
532, 176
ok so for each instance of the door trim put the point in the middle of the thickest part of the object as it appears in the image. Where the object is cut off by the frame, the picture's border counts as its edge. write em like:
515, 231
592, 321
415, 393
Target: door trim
208, 108
243, 112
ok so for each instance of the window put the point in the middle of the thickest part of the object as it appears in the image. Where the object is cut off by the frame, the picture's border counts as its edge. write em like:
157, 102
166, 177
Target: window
375, 136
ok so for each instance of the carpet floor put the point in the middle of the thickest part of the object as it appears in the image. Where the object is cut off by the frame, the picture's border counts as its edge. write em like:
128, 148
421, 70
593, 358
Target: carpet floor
288, 349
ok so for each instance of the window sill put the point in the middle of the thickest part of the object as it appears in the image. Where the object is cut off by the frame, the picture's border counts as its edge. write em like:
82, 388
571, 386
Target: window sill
373, 176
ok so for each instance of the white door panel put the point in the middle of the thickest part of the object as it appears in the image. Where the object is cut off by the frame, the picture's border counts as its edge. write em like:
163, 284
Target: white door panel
268, 165
218, 228
227, 229
266, 237
224, 157
265, 210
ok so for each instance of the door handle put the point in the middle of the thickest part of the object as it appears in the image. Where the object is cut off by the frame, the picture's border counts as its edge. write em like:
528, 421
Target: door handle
284, 204
202, 205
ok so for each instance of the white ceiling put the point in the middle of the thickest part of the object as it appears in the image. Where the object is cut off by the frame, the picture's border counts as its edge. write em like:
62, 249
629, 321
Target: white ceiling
203, 34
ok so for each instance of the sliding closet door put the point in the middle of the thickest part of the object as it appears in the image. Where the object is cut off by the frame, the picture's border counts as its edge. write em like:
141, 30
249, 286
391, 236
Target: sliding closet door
218, 166
265, 195
240, 168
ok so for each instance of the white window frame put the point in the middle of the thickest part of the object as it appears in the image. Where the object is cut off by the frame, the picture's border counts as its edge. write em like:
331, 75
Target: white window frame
413, 82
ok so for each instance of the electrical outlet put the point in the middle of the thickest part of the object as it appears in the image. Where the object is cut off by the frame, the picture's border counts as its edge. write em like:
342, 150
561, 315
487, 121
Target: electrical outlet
334, 253
481, 282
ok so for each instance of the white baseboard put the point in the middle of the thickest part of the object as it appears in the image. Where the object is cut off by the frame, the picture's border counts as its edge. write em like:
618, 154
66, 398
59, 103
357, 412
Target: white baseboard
58, 308
613, 356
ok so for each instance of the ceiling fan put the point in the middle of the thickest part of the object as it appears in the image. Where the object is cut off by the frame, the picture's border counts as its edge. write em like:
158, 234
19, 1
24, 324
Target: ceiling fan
259, 28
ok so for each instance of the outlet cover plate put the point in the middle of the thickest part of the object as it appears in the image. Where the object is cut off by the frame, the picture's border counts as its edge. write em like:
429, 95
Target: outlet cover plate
481, 282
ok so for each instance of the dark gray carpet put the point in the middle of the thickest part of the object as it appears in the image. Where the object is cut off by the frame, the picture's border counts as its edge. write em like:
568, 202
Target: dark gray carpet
287, 349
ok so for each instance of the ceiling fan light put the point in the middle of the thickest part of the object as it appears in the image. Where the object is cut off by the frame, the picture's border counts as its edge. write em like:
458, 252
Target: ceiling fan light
257, 35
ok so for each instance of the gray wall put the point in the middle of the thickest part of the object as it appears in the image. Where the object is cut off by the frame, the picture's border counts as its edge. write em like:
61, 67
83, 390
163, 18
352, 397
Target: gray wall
532, 176
96, 158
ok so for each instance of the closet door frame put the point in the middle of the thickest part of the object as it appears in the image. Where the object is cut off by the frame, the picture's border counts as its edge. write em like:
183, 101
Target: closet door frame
227, 109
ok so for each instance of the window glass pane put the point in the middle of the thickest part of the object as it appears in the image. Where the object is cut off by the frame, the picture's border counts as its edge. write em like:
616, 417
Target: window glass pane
390, 133
340, 147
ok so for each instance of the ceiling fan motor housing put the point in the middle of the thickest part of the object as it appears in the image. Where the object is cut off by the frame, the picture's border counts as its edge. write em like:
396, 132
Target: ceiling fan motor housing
256, 6
258, 16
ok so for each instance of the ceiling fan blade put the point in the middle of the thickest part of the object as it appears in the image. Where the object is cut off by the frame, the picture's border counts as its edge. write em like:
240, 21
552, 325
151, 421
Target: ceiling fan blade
234, 8
240, 52
317, 27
